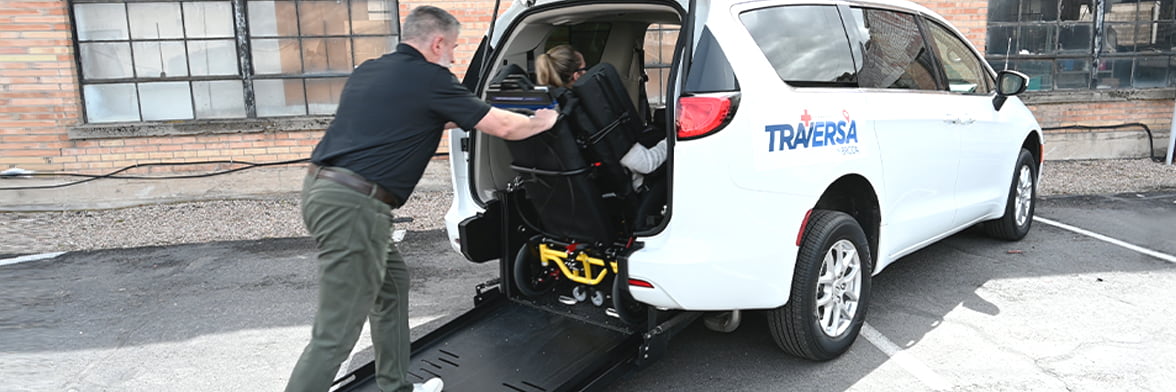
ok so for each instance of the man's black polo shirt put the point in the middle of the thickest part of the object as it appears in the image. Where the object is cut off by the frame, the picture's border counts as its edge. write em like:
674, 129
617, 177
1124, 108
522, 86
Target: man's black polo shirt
390, 119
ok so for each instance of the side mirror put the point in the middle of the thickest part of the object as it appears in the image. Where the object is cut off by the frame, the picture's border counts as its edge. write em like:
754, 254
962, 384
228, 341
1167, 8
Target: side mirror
1009, 83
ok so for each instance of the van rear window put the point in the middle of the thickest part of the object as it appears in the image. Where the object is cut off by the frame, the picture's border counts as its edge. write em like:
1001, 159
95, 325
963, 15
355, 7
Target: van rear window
806, 44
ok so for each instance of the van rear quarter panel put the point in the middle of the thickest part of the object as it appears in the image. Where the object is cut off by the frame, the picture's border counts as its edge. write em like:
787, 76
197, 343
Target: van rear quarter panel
740, 195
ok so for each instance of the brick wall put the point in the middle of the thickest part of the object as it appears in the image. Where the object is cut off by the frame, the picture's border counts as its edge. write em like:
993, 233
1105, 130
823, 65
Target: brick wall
40, 100
1157, 114
969, 16
104, 155
38, 97
475, 20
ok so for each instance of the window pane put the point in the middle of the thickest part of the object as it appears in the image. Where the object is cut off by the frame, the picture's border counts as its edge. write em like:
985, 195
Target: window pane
1073, 73
373, 16
1120, 38
1040, 72
155, 20
160, 59
803, 43
1157, 37
1172, 74
219, 99
106, 60
1125, 11
319, 17
1167, 9
272, 19
101, 21
370, 48
208, 19
323, 94
279, 97
1151, 72
655, 89
1036, 40
1114, 73
895, 55
1000, 39
111, 103
965, 73
1075, 38
326, 55
276, 56
1002, 10
166, 101
213, 57
1039, 10
1076, 10
660, 41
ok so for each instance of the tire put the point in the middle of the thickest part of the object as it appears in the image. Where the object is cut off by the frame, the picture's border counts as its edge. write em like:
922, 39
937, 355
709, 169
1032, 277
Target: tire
1021, 203
834, 248
531, 278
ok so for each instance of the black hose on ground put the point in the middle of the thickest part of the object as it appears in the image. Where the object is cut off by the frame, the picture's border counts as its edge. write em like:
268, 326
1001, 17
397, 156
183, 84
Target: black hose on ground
114, 174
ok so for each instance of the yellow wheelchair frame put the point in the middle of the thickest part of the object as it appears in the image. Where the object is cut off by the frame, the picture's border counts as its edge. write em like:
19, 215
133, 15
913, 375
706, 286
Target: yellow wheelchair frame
591, 270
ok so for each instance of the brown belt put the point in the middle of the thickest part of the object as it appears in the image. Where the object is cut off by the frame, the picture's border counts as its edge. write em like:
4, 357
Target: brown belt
354, 182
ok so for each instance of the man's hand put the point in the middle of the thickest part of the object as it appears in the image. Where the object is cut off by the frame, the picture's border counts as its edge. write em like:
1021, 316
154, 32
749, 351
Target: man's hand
513, 126
546, 119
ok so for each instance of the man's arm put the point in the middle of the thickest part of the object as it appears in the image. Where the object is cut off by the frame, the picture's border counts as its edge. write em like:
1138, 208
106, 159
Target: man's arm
514, 126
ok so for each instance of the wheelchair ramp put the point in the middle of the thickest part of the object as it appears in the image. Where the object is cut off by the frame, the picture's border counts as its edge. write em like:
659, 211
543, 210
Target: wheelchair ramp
504, 345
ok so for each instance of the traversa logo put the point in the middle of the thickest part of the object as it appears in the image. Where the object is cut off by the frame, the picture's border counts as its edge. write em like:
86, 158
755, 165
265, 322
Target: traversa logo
808, 133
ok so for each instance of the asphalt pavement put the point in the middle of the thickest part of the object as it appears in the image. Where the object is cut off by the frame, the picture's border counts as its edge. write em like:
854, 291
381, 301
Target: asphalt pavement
1058, 311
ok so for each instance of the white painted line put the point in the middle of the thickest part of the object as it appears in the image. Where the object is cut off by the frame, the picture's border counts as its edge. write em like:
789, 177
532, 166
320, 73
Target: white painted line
905, 360
1162, 256
25, 259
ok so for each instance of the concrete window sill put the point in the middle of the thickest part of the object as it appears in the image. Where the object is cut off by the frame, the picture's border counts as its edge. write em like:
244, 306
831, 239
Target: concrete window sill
198, 127
1089, 96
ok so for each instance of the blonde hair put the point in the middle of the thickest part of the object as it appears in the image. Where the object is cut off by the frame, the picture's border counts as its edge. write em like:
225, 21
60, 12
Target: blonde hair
556, 67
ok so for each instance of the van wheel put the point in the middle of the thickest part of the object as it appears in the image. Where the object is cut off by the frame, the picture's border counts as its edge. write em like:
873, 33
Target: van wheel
1018, 216
830, 289
530, 276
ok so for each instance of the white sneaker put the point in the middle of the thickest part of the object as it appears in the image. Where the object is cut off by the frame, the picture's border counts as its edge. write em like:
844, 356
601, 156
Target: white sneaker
433, 385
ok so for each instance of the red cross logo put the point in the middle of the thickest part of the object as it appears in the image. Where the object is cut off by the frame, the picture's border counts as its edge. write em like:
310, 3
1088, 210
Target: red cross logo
806, 118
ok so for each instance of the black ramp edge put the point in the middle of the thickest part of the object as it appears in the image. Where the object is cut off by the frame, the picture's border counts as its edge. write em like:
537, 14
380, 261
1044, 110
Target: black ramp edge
515, 347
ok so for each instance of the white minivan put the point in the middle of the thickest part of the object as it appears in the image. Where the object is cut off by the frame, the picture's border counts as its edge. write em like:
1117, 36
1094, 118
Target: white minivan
810, 144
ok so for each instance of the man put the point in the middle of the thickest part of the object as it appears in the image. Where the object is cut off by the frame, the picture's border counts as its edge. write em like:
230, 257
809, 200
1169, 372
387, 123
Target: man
389, 122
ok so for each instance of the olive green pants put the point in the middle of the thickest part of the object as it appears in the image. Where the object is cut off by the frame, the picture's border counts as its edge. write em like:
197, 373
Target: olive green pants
362, 275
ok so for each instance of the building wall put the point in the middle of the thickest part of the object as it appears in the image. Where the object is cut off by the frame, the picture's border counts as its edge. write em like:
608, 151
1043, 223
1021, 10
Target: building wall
1079, 108
38, 91
40, 100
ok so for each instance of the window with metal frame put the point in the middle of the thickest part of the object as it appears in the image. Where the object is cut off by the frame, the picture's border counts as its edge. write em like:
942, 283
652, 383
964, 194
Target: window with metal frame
660, 40
1085, 44
223, 59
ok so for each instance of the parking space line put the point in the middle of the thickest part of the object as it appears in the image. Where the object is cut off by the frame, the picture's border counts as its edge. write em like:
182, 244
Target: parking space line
1162, 256
905, 360
28, 258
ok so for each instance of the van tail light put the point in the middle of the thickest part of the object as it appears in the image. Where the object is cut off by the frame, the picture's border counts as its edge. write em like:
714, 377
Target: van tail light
702, 115
640, 283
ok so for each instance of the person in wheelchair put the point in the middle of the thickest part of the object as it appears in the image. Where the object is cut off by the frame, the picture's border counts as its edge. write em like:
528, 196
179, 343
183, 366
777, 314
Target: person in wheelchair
560, 67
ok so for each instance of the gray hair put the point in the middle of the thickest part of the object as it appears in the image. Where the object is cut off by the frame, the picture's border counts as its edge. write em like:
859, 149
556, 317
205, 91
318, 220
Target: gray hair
427, 21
